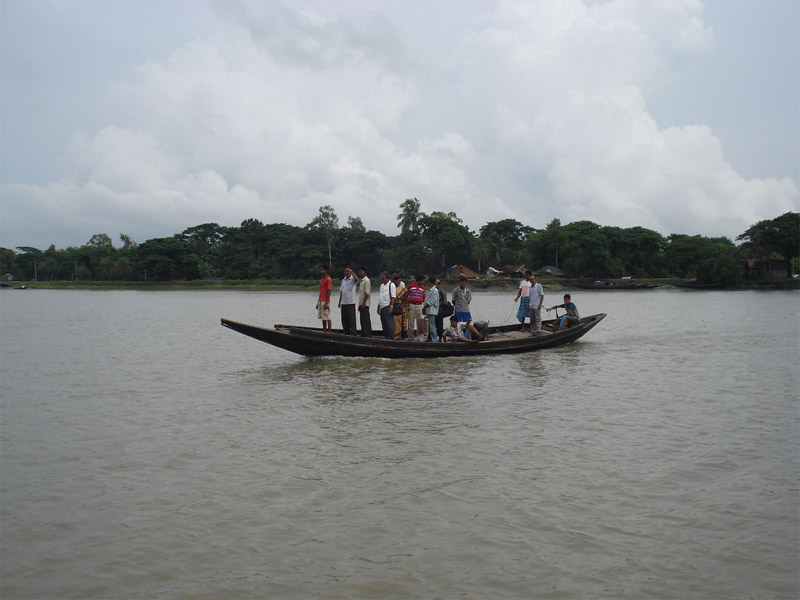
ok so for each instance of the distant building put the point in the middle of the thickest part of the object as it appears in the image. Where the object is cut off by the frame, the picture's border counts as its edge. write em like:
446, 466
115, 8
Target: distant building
515, 270
550, 271
507, 271
491, 272
459, 270
755, 268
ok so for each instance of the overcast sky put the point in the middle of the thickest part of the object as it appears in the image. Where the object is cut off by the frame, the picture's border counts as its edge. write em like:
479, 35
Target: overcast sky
148, 117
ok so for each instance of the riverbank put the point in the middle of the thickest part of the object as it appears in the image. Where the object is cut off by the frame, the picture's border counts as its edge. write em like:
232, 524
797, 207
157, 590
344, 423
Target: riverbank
551, 284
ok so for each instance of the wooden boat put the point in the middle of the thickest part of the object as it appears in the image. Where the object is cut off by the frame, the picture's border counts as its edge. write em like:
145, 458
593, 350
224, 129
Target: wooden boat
601, 284
504, 339
693, 284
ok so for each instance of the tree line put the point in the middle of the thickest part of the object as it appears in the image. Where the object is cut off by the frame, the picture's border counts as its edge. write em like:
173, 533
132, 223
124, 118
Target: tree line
426, 243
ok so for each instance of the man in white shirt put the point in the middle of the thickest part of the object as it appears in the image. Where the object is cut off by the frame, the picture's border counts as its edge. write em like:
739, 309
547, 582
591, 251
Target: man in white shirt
524, 293
535, 303
347, 301
461, 332
386, 300
364, 291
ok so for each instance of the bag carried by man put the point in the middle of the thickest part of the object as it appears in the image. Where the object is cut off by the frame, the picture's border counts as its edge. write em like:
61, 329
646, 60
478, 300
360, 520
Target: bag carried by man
397, 308
445, 307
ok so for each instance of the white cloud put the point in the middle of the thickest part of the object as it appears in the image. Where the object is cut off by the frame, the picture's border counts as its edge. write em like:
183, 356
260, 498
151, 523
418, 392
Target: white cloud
567, 96
539, 111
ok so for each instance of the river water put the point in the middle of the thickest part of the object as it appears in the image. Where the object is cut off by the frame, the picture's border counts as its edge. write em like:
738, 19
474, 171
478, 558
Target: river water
148, 452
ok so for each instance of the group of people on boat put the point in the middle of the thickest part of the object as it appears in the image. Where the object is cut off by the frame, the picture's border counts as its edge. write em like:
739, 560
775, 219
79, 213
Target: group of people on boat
416, 312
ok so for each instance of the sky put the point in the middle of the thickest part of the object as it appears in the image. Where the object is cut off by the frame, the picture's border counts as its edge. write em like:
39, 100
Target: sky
147, 117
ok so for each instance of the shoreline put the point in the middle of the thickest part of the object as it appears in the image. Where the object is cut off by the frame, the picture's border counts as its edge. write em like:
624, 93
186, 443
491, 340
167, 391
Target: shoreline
552, 284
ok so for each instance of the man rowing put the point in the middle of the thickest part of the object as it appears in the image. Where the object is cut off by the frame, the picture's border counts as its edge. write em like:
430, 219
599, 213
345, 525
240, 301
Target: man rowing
571, 318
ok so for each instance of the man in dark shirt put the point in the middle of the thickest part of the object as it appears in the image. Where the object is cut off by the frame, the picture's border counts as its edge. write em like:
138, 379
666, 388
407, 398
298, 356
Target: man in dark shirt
571, 318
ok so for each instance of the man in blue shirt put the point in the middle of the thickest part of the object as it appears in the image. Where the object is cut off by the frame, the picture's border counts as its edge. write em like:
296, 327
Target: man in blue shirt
571, 318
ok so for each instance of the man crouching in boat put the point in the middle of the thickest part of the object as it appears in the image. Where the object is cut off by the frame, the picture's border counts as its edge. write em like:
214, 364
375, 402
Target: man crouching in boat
470, 332
571, 318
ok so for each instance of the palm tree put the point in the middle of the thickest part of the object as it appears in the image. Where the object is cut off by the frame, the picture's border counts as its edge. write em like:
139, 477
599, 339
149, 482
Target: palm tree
480, 252
496, 247
408, 219
520, 256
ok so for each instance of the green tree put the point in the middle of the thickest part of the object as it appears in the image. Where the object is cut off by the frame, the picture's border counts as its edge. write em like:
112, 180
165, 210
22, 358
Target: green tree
495, 247
505, 239
412, 256
359, 247
510, 230
683, 253
636, 250
780, 236
718, 265
101, 250
202, 239
327, 223
447, 240
409, 218
128, 243
73, 263
241, 252
26, 262
165, 259
288, 252
203, 242
552, 240
7, 256
480, 253
48, 265
356, 224
709, 260
586, 251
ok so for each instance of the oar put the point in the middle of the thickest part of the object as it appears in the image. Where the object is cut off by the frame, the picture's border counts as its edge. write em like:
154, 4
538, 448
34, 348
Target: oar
555, 325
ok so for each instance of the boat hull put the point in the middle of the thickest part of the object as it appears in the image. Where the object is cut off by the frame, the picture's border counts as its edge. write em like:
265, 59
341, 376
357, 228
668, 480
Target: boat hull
310, 341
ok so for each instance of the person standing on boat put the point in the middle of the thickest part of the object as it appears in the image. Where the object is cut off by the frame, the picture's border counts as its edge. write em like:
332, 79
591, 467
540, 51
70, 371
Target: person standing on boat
571, 318
523, 295
416, 298
443, 304
324, 300
536, 302
386, 299
364, 291
347, 301
462, 296
399, 314
432, 308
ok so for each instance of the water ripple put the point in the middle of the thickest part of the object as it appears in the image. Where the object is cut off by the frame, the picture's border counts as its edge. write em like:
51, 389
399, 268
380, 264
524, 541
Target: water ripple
645, 461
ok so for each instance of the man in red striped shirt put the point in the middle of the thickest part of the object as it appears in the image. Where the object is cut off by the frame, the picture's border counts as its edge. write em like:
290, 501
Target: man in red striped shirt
324, 300
416, 296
